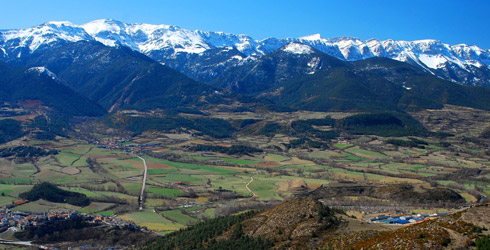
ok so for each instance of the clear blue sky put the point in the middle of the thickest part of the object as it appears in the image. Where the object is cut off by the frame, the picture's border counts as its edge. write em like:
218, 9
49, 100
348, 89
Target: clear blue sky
451, 21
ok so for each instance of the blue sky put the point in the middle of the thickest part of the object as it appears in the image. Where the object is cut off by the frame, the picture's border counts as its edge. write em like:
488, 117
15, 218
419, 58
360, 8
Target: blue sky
451, 21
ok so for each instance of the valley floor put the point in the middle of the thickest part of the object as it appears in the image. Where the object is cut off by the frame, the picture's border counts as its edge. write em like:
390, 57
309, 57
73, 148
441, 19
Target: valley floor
185, 185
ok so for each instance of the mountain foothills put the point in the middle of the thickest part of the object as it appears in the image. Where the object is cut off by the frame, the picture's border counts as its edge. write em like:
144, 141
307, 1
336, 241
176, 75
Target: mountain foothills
39, 86
205, 55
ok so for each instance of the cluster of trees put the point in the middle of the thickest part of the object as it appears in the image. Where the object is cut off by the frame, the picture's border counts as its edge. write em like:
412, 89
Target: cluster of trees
306, 127
9, 130
234, 208
306, 142
233, 150
412, 143
384, 124
415, 143
50, 192
246, 122
49, 126
240, 241
202, 236
270, 129
23, 151
326, 213
214, 127
483, 243
300, 128
407, 193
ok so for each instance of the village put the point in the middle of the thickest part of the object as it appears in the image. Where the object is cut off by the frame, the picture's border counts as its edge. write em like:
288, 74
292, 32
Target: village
122, 144
19, 220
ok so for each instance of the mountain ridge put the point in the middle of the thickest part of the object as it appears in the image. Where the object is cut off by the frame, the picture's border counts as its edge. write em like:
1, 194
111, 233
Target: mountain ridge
172, 45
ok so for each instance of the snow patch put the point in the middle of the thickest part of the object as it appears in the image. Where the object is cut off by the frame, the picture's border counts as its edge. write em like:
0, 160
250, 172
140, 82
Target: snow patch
59, 23
43, 70
297, 48
433, 61
237, 57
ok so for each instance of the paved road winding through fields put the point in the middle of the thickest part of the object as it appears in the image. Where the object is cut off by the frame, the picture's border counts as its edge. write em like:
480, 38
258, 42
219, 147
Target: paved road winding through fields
143, 186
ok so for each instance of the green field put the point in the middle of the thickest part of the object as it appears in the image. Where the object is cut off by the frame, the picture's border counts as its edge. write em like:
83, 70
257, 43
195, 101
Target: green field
342, 146
163, 191
160, 171
152, 221
352, 157
365, 153
179, 217
239, 161
274, 157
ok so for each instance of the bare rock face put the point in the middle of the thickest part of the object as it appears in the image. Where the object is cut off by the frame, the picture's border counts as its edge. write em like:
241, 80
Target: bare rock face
292, 224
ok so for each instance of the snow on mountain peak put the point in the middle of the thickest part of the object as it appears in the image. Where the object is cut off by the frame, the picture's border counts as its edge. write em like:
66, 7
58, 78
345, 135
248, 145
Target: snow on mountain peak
59, 23
145, 37
45, 33
297, 48
100, 25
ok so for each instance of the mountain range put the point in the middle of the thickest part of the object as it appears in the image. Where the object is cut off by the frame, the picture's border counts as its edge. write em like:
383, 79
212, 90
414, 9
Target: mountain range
204, 56
113, 66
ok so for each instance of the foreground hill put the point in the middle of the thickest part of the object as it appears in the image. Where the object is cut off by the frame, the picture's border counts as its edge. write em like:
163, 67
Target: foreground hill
307, 224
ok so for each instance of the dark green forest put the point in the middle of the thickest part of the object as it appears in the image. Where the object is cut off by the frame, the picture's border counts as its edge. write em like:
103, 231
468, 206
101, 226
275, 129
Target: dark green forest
50, 192
202, 236
10, 130
23, 151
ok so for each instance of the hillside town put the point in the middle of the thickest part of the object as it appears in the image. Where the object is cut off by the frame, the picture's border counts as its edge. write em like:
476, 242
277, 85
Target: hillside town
19, 220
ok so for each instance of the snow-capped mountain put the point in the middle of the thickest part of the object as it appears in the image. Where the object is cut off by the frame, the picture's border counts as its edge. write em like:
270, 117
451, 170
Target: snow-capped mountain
204, 55
15, 42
